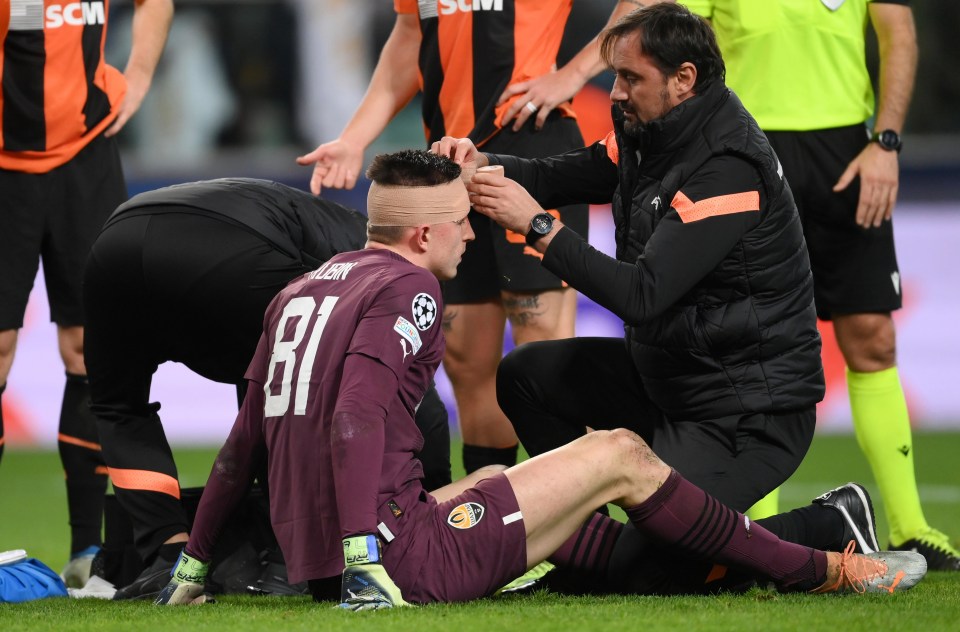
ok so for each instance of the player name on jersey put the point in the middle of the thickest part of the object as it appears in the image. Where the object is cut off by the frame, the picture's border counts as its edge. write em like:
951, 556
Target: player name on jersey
332, 271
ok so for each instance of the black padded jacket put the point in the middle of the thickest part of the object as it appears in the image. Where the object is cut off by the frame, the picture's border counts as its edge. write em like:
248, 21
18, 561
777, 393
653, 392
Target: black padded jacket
718, 313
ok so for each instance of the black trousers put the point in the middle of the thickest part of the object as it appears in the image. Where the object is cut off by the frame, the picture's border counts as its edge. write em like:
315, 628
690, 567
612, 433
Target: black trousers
180, 286
552, 391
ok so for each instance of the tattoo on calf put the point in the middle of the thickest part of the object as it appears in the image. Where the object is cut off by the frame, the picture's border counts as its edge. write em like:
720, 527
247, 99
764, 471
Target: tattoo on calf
449, 315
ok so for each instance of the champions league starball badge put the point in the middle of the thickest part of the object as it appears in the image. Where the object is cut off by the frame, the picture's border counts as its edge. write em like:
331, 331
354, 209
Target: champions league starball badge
424, 311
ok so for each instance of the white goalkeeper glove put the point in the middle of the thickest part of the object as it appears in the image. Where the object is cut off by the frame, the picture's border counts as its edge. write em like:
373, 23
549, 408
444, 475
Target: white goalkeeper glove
186, 583
365, 584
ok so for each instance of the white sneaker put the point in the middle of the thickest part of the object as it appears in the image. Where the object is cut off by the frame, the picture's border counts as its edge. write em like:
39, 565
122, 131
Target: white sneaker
76, 573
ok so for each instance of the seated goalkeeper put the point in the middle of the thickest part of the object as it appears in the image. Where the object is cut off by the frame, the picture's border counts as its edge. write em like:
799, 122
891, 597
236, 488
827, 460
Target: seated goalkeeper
348, 351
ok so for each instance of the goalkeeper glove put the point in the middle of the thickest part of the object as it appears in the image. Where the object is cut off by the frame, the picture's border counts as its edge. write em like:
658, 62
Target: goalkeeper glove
365, 584
186, 583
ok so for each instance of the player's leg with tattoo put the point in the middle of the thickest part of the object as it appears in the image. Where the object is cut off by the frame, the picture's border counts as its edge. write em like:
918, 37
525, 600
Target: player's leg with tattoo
474, 335
535, 316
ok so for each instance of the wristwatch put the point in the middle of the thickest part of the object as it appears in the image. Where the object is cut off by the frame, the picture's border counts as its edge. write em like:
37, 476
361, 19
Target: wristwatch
540, 225
887, 139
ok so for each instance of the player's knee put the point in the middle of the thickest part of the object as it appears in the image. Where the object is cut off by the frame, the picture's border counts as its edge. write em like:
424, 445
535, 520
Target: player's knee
869, 342
627, 441
632, 452
463, 367
70, 341
469, 373
881, 349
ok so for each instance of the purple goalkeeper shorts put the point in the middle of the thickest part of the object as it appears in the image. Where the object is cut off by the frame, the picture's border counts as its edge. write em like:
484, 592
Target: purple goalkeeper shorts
461, 549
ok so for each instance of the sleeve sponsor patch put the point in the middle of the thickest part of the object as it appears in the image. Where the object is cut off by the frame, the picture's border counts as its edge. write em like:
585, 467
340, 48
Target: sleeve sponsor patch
408, 332
424, 311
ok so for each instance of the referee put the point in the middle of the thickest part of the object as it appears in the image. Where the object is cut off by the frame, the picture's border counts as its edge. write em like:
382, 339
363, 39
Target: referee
843, 170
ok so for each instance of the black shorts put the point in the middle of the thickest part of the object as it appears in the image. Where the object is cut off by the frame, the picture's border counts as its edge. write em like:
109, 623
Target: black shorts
174, 284
854, 269
55, 216
498, 259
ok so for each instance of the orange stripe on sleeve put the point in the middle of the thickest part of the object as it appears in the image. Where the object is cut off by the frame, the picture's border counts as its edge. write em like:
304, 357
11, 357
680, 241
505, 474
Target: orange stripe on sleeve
613, 151
690, 211
145, 480
90, 445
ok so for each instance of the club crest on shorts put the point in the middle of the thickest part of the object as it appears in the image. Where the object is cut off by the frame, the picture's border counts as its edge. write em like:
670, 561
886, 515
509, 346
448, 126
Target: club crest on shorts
424, 311
465, 516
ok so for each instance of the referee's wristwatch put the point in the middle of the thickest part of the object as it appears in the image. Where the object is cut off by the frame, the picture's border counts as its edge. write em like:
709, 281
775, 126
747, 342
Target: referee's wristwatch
887, 139
540, 225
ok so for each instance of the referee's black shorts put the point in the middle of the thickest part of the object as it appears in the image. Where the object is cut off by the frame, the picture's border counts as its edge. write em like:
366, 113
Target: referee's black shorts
854, 269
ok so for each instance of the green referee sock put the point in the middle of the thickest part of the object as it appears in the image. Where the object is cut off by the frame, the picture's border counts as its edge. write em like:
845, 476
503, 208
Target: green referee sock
767, 506
882, 426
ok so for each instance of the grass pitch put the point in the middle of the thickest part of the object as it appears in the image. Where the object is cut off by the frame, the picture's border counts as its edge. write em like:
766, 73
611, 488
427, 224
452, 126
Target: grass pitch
33, 516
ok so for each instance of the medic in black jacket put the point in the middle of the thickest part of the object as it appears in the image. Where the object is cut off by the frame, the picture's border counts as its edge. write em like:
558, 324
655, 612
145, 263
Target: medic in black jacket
721, 369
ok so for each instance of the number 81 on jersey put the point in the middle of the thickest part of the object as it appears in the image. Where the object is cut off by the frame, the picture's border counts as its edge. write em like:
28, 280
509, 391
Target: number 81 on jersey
285, 352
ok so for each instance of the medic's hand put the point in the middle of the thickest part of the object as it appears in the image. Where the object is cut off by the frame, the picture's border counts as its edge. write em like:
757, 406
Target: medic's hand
463, 152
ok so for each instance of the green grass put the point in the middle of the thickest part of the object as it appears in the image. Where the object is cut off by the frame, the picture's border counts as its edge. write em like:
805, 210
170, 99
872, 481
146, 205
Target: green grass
33, 516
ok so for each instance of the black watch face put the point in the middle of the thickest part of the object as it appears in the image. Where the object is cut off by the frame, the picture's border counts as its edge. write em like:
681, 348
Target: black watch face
541, 223
889, 139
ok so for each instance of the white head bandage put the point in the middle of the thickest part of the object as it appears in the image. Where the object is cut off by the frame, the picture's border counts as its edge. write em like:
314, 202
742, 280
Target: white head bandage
398, 205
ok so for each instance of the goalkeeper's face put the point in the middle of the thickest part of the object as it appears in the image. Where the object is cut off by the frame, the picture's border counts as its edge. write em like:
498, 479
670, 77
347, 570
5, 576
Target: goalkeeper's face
448, 241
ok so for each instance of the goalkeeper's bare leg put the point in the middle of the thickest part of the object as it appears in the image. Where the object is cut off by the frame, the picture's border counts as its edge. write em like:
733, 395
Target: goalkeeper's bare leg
557, 493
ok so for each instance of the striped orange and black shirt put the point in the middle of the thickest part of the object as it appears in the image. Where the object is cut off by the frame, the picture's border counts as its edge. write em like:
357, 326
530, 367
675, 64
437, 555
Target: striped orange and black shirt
473, 49
57, 92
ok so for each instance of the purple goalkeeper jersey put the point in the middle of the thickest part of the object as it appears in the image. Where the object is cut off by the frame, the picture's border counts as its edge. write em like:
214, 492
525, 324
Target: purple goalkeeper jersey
372, 304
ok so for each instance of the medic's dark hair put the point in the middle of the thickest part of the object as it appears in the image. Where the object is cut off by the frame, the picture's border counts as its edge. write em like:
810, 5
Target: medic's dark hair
670, 35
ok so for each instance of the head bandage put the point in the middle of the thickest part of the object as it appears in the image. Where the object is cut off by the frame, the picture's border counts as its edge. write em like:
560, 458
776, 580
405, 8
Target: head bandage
398, 205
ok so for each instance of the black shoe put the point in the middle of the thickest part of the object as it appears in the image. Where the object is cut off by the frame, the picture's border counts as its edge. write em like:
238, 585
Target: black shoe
150, 582
859, 524
273, 581
936, 547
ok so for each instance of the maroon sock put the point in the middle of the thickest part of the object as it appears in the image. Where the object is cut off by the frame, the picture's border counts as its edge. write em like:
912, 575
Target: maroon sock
687, 517
589, 549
